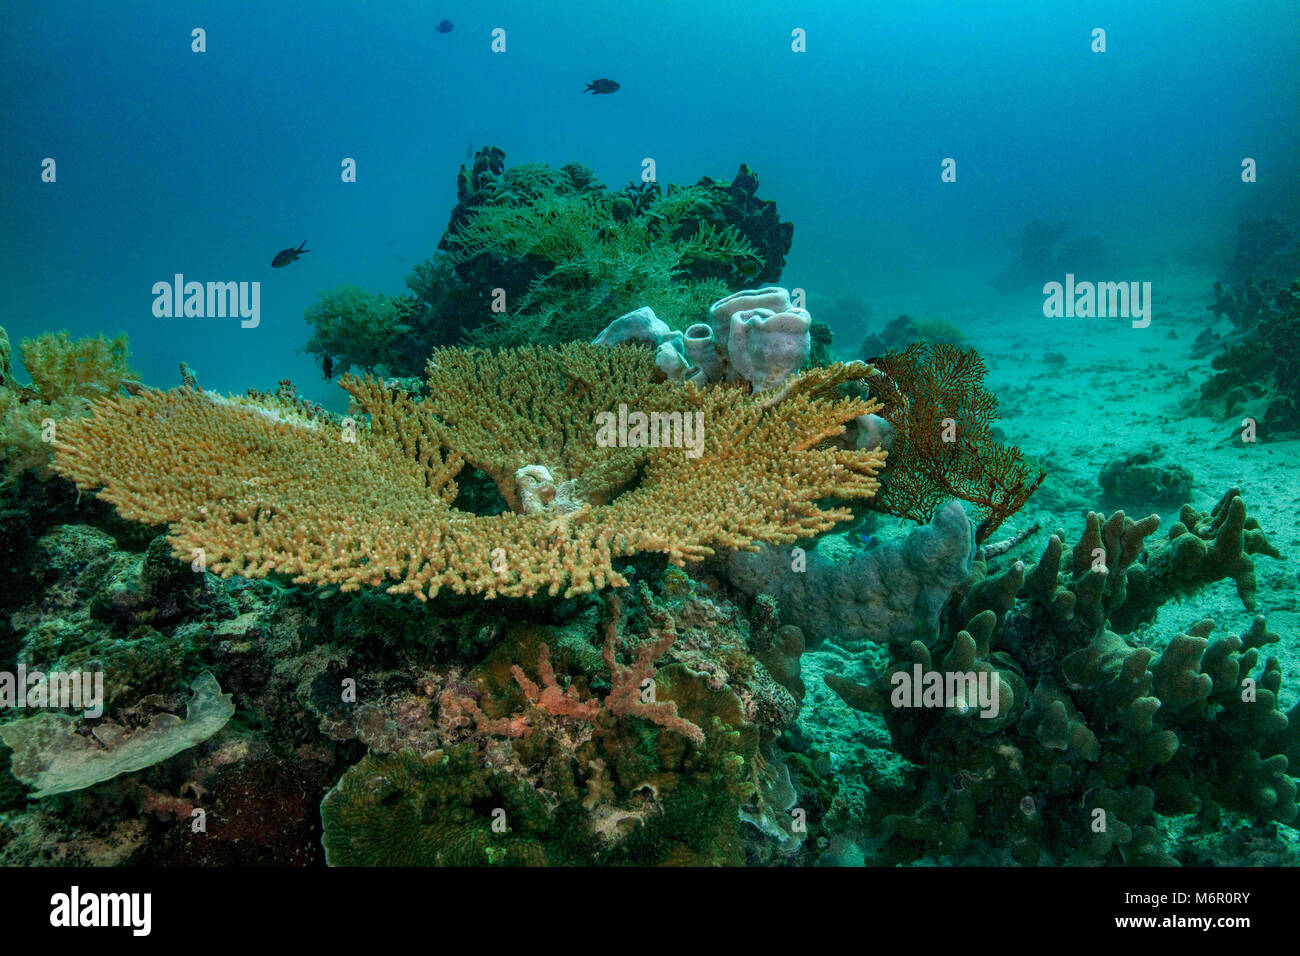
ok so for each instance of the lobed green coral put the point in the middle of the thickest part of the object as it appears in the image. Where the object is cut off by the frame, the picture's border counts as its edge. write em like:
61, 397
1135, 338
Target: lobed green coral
1096, 736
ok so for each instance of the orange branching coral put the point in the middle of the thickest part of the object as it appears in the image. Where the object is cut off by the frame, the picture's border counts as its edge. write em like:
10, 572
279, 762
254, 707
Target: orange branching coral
460, 711
631, 682
631, 691
250, 490
549, 697
535, 407
935, 398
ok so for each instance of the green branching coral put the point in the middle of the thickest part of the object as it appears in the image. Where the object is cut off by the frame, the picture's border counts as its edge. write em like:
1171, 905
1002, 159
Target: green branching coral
67, 375
356, 327
592, 265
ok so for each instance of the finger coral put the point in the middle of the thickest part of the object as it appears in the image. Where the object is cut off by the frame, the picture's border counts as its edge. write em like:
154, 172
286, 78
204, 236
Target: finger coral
249, 491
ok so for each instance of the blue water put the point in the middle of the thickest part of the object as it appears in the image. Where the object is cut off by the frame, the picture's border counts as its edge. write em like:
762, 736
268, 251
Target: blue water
206, 164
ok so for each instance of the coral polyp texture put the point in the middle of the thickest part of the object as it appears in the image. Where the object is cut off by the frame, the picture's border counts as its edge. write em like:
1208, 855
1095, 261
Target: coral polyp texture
250, 491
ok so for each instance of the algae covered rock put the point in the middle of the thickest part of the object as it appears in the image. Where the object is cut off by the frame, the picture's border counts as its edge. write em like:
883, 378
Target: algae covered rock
1142, 480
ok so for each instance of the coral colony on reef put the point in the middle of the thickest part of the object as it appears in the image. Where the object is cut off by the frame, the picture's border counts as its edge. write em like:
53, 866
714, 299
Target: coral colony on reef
561, 585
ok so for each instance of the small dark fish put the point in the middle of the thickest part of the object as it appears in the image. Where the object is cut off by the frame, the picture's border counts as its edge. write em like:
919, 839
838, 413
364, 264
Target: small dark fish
286, 256
601, 86
861, 539
747, 267
327, 366
444, 26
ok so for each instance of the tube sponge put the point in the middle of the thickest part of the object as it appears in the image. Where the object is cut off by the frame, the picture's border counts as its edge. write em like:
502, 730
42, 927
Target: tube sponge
767, 348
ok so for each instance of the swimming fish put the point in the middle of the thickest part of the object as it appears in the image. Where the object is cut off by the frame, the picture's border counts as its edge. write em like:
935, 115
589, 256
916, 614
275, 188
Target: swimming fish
286, 256
601, 86
444, 26
327, 366
860, 539
747, 267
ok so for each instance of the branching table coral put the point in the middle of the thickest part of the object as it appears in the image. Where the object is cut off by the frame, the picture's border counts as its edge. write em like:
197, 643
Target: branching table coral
247, 490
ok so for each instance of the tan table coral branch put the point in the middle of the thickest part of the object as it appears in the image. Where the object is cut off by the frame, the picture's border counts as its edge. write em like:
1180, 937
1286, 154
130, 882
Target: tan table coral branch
247, 490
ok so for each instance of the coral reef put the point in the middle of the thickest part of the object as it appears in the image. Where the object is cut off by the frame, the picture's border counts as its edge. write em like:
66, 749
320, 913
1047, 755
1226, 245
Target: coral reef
1139, 480
1042, 256
905, 331
1257, 374
1266, 249
519, 772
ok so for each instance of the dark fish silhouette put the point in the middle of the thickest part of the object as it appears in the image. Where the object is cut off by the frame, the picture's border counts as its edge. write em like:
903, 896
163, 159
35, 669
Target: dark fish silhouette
327, 366
747, 267
444, 26
286, 256
601, 86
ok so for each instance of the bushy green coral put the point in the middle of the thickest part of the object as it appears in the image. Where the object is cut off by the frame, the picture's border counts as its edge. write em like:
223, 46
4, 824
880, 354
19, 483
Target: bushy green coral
62, 367
365, 329
592, 267
67, 374
538, 255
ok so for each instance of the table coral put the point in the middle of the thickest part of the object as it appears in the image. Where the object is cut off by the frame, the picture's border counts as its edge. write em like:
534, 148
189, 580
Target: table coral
250, 492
